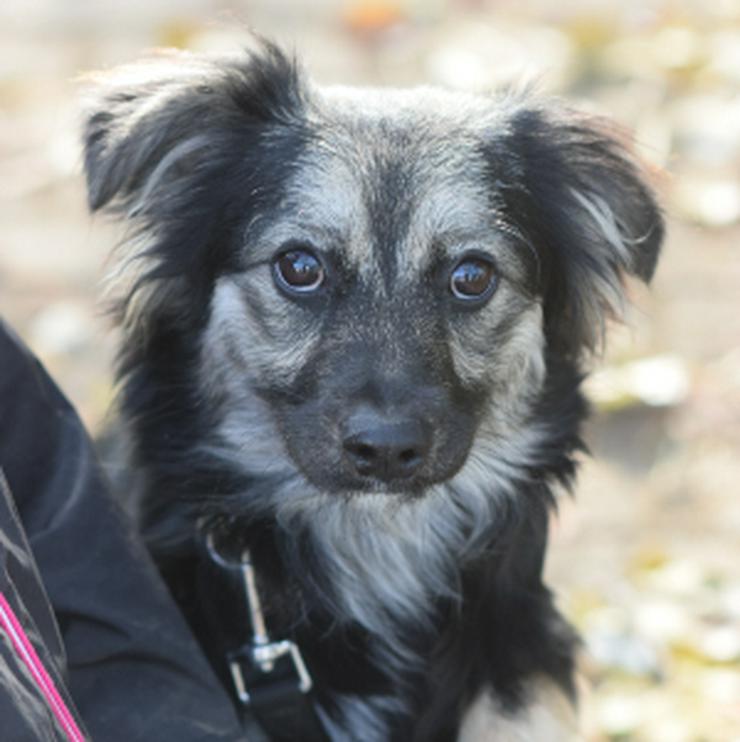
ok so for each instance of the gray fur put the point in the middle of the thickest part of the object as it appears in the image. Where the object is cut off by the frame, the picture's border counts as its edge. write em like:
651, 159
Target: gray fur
390, 188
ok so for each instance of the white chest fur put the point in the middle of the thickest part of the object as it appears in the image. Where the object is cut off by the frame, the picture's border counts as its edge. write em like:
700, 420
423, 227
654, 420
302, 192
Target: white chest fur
548, 716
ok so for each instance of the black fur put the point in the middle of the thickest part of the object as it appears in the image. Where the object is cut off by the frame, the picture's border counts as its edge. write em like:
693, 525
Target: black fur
248, 124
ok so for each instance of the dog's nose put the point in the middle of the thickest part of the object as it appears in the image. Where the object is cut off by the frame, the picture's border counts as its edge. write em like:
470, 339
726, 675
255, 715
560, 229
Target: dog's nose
386, 449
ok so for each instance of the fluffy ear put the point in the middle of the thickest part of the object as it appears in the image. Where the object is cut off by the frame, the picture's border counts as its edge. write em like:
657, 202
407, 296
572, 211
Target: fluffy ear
168, 116
584, 203
187, 149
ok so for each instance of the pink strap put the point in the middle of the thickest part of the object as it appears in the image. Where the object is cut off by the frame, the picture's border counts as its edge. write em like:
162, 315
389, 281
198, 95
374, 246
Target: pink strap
12, 627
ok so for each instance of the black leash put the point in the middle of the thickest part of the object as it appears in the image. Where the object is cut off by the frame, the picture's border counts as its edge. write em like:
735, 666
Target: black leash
270, 679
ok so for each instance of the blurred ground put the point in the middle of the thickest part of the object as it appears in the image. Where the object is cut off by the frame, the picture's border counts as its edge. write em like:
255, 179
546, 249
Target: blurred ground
645, 560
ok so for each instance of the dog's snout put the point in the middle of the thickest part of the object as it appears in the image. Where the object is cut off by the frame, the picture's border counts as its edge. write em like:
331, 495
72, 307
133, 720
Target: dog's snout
383, 448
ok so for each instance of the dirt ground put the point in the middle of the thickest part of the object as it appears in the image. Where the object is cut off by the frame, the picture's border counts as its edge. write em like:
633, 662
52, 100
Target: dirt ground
645, 557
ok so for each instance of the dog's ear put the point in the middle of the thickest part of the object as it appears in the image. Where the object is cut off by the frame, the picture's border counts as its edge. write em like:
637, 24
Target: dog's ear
186, 148
149, 124
583, 200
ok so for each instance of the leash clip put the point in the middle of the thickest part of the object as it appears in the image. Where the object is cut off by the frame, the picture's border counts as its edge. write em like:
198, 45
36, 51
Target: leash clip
260, 652
264, 657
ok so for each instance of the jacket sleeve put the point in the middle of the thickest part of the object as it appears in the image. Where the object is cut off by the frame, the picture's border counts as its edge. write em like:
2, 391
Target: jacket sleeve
132, 667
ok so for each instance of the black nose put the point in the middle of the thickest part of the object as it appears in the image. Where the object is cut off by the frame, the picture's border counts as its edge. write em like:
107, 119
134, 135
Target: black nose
385, 449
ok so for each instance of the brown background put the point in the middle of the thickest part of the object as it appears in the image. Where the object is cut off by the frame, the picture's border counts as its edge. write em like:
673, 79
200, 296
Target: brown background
645, 560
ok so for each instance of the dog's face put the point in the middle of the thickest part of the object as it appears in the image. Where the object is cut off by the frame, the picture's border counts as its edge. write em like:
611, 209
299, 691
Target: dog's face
384, 307
378, 279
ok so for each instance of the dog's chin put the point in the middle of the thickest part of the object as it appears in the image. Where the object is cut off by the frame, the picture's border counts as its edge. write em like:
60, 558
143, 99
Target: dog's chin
336, 481
366, 489
379, 489
402, 490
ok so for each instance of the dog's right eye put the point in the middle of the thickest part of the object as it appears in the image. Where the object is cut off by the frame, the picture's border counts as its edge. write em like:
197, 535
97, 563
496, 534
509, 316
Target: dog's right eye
298, 271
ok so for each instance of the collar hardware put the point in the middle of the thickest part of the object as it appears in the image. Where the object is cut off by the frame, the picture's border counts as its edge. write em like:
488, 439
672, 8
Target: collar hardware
260, 655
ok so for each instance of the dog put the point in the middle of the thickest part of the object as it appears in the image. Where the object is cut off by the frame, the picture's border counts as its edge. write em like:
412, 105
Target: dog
354, 327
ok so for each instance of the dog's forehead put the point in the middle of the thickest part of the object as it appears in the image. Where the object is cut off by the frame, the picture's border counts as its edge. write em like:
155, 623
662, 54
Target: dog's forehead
389, 175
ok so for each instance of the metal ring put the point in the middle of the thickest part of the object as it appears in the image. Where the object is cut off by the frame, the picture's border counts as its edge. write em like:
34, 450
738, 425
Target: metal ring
214, 553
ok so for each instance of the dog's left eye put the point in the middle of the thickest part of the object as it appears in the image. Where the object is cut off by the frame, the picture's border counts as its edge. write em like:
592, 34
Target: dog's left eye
298, 271
473, 279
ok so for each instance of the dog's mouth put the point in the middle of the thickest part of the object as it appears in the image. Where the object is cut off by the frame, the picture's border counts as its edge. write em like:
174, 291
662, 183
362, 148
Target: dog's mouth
343, 483
344, 478
356, 448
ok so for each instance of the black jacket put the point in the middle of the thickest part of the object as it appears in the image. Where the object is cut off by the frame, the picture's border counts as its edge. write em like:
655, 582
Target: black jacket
91, 645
